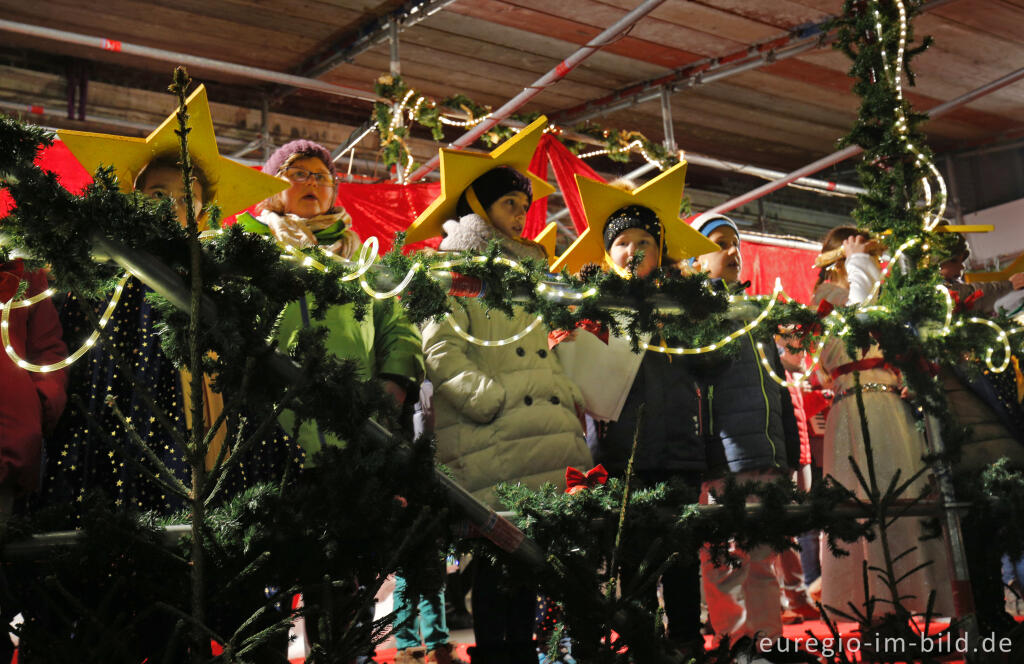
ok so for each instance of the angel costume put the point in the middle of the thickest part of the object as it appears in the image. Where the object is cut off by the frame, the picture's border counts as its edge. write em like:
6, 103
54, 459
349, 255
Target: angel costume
897, 445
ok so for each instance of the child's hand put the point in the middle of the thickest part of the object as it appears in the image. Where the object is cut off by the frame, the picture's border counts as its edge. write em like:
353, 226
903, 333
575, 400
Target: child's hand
857, 244
1017, 280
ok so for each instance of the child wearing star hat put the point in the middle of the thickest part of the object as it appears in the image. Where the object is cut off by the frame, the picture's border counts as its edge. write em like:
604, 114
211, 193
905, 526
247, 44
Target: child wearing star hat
85, 457
504, 413
634, 233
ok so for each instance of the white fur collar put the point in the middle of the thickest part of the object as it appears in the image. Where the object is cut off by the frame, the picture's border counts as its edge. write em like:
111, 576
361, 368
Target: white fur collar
472, 233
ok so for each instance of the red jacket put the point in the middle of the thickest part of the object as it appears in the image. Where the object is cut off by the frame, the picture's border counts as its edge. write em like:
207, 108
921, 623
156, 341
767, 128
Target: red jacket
30, 402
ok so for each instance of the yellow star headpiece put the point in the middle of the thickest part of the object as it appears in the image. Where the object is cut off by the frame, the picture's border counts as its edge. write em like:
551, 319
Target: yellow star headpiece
662, 195
548, 238
459, 168
233, 186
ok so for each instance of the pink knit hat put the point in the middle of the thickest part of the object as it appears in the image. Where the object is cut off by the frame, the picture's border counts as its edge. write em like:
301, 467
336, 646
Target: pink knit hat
300, 146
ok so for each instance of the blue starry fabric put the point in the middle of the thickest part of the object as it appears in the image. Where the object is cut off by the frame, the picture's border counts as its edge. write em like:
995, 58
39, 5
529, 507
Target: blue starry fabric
92, 452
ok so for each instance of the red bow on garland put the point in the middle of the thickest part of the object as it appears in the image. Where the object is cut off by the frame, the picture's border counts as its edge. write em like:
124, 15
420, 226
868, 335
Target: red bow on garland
10, 278
556, 337
960, 306
575, 480
815, 328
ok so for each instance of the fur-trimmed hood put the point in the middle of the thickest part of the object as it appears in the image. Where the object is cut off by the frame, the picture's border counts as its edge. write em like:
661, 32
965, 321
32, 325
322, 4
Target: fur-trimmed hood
473, 233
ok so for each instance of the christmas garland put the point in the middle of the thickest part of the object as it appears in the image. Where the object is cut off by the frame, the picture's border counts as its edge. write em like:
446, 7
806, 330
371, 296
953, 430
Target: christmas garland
407, 106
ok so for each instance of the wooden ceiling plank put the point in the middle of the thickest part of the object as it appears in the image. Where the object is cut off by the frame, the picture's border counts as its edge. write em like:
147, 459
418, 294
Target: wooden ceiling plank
600, 15
495, 11
73, 18
299, 18
469, 50
708, 20
169, 25
793, 106
513, 79
797, 69
513, 38
784, 14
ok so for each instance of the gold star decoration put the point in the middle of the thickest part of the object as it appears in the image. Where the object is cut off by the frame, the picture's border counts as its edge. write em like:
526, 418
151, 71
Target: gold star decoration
662, 195
460, 167
233, 186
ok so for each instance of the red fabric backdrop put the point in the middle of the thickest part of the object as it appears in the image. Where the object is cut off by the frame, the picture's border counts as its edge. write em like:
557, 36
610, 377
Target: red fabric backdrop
762, 263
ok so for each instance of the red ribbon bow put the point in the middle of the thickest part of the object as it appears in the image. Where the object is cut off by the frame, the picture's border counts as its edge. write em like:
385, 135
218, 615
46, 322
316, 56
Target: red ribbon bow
575, 480
960, 306
556, 337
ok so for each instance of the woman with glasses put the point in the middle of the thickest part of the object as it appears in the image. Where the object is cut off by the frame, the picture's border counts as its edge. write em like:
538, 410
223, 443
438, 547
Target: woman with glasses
305, 214
384, 346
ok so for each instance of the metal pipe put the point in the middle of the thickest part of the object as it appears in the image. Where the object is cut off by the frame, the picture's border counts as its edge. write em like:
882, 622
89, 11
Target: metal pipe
668, 131
174, 57
853, 150
691, 76
770, 174
708, 70
395, 64
353, 139
552, 77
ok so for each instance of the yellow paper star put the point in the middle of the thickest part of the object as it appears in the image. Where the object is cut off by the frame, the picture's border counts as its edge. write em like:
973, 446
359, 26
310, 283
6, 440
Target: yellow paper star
547, 238
233, 186
662, 195
460, 167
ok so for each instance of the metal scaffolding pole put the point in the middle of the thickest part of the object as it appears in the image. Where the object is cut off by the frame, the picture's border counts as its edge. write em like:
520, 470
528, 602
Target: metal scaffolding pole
853, 150
552, 77
174, 57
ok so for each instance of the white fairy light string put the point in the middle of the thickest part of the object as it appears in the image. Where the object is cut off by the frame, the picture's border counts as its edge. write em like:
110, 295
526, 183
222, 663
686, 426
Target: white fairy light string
369, 253
5, 333
895, 79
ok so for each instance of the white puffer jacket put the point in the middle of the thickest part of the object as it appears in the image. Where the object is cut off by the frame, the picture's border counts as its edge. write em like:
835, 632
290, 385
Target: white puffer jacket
503, 413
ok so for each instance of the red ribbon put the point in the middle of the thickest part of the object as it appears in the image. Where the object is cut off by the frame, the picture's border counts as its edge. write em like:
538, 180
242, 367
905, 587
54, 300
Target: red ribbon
960, 306
861, 365
464, 286
556, 337
575, 480
10, 278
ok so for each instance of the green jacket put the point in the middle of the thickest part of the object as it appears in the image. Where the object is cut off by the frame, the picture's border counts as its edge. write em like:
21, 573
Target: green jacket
383, 344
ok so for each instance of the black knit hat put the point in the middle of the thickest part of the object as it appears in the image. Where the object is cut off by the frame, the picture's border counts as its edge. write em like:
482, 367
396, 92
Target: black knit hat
631, 216
494, 184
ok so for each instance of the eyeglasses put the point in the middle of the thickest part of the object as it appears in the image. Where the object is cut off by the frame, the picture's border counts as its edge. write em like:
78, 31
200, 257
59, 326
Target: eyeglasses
302, 175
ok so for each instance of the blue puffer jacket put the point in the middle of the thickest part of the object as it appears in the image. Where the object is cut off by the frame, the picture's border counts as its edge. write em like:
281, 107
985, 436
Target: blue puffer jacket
752, 424
673, 421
